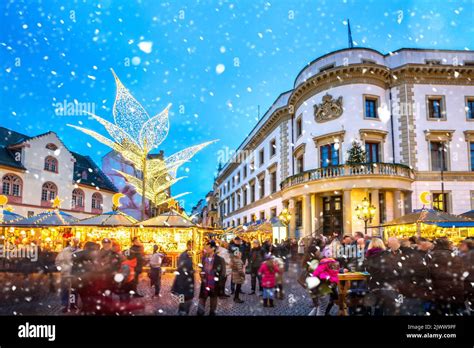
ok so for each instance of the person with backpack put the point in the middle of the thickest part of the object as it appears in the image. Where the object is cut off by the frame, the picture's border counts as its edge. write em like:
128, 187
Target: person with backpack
267, 272
155, 269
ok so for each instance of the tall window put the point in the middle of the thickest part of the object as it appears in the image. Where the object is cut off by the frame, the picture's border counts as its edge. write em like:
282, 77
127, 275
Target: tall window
299, 127
440, 201
49, 192
252, 192
11, 185
97, 201
329, 155
244, 171
77, 198
470, 108
273, 148
300, 164
273, 182
51, 164
372, 152
261, 187
244, 192
438, 156
435, 108
262, 215
273, 212
471, 148
262, 156
371, 107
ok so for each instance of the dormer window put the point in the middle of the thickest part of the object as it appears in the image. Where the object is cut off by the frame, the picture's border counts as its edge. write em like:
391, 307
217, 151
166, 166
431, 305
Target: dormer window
51, 147
433, 61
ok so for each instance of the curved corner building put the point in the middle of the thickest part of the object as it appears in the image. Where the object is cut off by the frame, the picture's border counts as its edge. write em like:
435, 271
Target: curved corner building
411, 110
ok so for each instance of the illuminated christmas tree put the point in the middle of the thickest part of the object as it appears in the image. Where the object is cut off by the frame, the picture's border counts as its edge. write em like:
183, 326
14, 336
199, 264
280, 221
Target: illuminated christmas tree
134, 135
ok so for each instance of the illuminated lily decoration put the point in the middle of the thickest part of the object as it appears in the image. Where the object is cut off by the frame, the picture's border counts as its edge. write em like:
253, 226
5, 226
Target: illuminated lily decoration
134, 135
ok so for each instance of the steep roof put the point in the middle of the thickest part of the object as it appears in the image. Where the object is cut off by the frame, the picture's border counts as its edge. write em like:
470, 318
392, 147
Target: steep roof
112, 218
84, 164
88, 173
9, 137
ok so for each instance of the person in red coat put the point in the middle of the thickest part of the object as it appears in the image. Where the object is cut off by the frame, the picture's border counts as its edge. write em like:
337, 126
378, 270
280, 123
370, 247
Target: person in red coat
268, 271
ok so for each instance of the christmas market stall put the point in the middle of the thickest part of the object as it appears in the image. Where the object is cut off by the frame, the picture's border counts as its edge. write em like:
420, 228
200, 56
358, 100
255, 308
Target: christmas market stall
430, 224
112, 225
170, 231
49, 229
260, 230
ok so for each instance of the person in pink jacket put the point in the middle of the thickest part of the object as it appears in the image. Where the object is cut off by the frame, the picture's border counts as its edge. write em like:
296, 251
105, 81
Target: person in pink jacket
268, 271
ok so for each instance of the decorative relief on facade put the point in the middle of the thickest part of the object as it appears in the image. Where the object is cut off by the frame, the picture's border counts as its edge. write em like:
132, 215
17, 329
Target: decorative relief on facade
328, 109
407, 126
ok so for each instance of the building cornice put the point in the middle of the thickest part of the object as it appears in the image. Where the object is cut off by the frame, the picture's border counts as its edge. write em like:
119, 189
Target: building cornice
362, 73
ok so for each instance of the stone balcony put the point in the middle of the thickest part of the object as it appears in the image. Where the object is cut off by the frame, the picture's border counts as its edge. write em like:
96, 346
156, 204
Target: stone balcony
366, 170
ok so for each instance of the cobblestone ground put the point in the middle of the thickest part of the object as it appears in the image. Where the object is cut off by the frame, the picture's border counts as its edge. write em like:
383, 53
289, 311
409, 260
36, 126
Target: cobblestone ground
36, 295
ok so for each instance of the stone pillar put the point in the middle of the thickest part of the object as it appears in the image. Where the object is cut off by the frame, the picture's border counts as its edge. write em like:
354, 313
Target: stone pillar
307, 225
318, 214
314, 222
408, 202
374, 194
347, 212
397, 204
291, 209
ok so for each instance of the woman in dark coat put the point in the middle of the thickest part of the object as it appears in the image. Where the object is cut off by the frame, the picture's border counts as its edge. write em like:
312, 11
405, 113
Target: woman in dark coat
183, 285
446, 271
382, 281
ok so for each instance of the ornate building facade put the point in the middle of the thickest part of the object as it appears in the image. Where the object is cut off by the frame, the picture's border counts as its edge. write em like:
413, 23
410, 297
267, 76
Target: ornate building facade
36, 169
411, 110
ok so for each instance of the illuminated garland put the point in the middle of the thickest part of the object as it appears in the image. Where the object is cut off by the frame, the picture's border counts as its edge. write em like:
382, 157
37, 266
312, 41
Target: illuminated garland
134, 136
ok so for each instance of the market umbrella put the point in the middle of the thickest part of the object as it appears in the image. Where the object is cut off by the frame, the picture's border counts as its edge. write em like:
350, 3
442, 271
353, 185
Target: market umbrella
112, 218
168, 219
9, 216
54, 217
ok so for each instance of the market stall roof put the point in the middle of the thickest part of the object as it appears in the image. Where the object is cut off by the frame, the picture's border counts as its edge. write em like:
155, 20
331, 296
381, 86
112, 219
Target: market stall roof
168, 219
110, 219
52, 217
429, 216
9, 216
469, 214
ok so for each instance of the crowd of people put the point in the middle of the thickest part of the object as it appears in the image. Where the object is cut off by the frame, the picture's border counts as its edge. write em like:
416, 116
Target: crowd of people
414, 276
225, 263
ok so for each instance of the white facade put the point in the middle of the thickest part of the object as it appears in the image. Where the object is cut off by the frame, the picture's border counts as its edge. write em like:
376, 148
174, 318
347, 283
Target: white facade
421, 100
30, 154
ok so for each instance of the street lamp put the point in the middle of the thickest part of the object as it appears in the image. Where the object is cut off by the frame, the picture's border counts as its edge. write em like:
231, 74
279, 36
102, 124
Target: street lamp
285, 218
365, 212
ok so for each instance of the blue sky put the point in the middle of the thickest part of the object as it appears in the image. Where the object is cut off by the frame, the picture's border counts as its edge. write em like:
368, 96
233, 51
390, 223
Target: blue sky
61, 51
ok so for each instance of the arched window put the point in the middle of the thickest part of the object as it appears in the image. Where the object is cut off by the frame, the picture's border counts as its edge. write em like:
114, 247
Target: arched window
48, 192
77, 198
51, 164
52, 147
97, 202
12, 185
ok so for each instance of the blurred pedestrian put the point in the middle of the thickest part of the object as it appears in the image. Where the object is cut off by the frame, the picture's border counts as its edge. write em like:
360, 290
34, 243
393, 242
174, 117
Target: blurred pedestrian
156, 261
183, 285
211, 273
238, 274
255, 261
